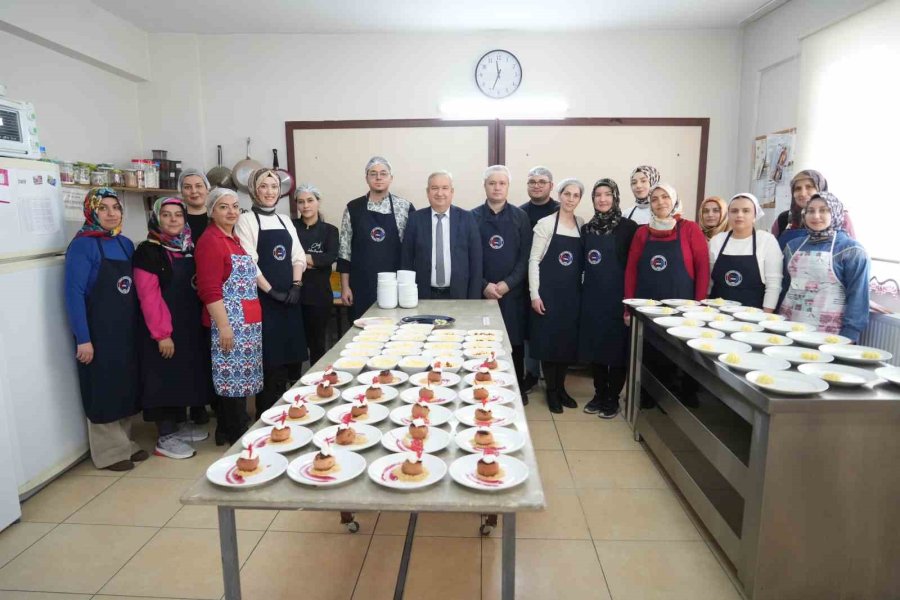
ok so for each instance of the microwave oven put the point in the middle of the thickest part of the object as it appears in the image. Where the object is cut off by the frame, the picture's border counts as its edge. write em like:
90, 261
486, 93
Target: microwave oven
18, 130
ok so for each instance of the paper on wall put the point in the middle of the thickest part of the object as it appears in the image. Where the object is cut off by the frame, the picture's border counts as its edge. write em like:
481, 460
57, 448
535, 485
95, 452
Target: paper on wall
37, 193
73, 204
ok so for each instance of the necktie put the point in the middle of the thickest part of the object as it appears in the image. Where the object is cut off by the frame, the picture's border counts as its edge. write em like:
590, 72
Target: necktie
439, 251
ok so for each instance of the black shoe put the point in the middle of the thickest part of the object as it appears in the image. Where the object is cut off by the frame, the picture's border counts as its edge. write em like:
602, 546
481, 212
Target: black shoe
609, 412
221, 438
199, 415
592, 407
140, 456
567, 400
528, 383
524, 399
553, 403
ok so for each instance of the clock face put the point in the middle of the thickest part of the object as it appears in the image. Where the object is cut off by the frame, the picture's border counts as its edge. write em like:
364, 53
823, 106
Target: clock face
498, 74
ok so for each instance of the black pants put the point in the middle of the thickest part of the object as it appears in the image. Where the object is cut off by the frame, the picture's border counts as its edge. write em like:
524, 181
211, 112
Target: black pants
608, 384
518, 361
276, 381
315, 323
167, 418
440, 293
554, 376
232, 418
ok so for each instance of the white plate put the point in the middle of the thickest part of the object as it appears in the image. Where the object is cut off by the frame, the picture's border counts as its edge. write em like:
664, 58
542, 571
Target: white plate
716, 347
314, 377
425, 328
464, 471
640, 302
442, 395
496, 395
450, 362
503, 415
693, 309
847, 376
484, 352
377, 337
410, 336
720, 302
353, 369
373, 436
473, 365
495, 346
892, 374
453, 338
853, 353
691, 333
669, 321
762, 339
388, 393
398, 440
482, 332
785, 327
259, 439
377, 413
308, 393
657, 310
477, 339
735, 326
754, 361
399, 353
224, 471
383, 362
380, 471
676, 302
788, 383
758, 317
814, 339
447, 379
413, 364
498, 378
794, 354
411, 347
370, 321
707, 316
351, 466
437, 415
506, 440
358, 353
738, 308
366, 378
313, 414
365, 346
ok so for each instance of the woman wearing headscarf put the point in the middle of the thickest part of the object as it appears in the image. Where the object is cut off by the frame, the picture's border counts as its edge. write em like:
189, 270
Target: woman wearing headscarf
103, 315
226, 284
826, 272
603, 337
194, 188
745, 264
804, 185
643, 178
713, 216
271, 241
554, 282
320, 240
172, 350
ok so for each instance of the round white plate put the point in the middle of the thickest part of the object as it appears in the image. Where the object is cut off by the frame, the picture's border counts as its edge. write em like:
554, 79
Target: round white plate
758, 317
437, 415
308, 393
366, 378
451, 362
498, 378
372, 434
716, 347
473, 365
635, 302
814, 339
351, 364
405, 345
484, 352
259, 439
377, 337
314, 377
377, 414
707, 316
364, 353
381, 471
503, 415
840, 375
412, 337
694, 309
313, 414
482, 339
796, 354
398, 440
676, 302
377, 346
669, 321
447, 379
854, 354
413, 364
494, 346
892, 374
426, 327
453, 338
788, 383
485, 332
659, 311
351, 466
785, 327
762, 339
442, 395
754, 361
735, 326
224, 471
388, 393
383, 363
443, 346
738, 308
370, 321
719, 302
496, 395
506, 440
691, 333
464, 471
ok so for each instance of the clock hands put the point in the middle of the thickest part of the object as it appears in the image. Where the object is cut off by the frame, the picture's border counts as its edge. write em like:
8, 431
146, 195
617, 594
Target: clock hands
498, 74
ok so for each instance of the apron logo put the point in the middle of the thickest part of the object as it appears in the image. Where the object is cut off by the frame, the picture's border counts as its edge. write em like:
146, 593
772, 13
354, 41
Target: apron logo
733, 278
566, 258
124, 284
194, 281
659, 263
496, 242
279, 252
377, 234
594, 257
315, 248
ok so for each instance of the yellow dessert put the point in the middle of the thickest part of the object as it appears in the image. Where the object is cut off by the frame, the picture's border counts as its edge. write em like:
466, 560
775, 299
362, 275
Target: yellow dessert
718, 301
831, 376
706, 347
772, 318
708, 335
809, 355
774, 339
733, 359
765, 380
832, 339
667, 311
708, 309
798, 327
746, 328
720, 318
690, 323
871, 355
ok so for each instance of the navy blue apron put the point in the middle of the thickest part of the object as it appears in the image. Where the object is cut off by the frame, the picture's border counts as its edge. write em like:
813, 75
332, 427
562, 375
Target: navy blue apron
554, 335
501, 246
110, 384
283, 337
737, 277
661, 271
603, 336
182, 380
375, 247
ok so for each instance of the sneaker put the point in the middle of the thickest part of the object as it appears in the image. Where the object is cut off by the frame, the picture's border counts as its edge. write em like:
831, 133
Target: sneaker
192, 433
608, 413
528, 382
172, 446
592, 407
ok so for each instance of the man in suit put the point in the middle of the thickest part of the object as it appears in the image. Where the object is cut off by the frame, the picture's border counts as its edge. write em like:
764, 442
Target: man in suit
443, 245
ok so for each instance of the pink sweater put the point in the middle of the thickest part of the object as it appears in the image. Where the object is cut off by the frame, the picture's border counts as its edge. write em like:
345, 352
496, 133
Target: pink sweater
153, 307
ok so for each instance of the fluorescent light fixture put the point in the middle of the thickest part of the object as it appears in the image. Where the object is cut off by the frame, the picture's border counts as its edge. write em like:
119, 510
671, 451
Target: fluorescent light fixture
507, 108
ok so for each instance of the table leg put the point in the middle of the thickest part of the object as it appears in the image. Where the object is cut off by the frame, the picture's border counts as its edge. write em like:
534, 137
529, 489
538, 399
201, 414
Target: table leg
508, 575
404, 559
231, 568
633, 395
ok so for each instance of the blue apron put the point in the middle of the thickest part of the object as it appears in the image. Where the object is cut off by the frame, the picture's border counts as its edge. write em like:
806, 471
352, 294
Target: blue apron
501, 244
284, 339
554, 335
603, 336
661, 271
737, 277
375, 247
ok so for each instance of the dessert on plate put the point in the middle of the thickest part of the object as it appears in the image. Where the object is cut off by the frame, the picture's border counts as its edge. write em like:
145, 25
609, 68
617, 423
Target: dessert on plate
374, 391
420, 410
385, 376
488, 467
324, 460
345, 435
330, 375
483, 374
436, 373
280, 431
484, 414
426, 393
418, 430
490, 362
484, 437
480, 393
324, 389
298, 409
412, 469
248, 461
360, 409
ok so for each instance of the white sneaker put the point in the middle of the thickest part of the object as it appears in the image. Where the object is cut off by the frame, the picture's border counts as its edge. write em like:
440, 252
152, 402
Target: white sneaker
173, 447
189, 432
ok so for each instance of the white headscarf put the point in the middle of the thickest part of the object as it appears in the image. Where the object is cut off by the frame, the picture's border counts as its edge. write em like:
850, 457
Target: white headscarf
751, 198
667, 223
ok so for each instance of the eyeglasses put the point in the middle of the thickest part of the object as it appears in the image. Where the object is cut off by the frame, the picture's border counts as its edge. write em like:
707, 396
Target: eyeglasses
540, 182
379, 174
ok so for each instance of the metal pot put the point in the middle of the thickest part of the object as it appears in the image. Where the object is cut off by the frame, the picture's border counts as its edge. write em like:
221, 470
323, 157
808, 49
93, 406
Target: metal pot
220, 176
284, 177
241, 171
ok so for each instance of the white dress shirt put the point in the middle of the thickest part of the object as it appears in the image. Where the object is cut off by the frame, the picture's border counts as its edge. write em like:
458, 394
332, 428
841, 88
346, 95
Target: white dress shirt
639, 213
445, 228
247, 231
768, 256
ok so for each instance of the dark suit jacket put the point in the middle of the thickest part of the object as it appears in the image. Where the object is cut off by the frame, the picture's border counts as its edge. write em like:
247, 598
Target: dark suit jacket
465, 253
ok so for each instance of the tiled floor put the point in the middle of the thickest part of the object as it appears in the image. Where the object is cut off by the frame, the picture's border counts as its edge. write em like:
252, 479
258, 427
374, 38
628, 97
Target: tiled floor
613, 528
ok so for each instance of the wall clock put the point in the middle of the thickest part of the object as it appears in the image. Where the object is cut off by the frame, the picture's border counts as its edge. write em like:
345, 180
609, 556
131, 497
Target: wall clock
498, 74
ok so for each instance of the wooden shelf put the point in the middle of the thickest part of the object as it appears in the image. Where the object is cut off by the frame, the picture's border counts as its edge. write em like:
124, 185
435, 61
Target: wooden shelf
157, 191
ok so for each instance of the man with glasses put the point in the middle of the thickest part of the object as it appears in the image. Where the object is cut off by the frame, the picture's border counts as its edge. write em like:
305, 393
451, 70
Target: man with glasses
371, 237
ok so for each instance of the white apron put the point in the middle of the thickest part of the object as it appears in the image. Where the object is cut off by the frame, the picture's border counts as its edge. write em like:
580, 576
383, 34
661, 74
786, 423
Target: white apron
816, 296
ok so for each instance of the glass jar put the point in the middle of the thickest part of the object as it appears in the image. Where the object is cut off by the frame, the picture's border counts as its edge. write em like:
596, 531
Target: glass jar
130, 178
67, 172
117, 178
82, 174
100, 178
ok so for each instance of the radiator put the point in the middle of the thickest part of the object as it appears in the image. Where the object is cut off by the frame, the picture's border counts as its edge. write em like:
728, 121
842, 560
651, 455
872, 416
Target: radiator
883, 332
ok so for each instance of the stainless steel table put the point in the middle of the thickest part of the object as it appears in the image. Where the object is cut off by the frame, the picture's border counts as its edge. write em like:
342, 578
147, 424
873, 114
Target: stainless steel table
362, 494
